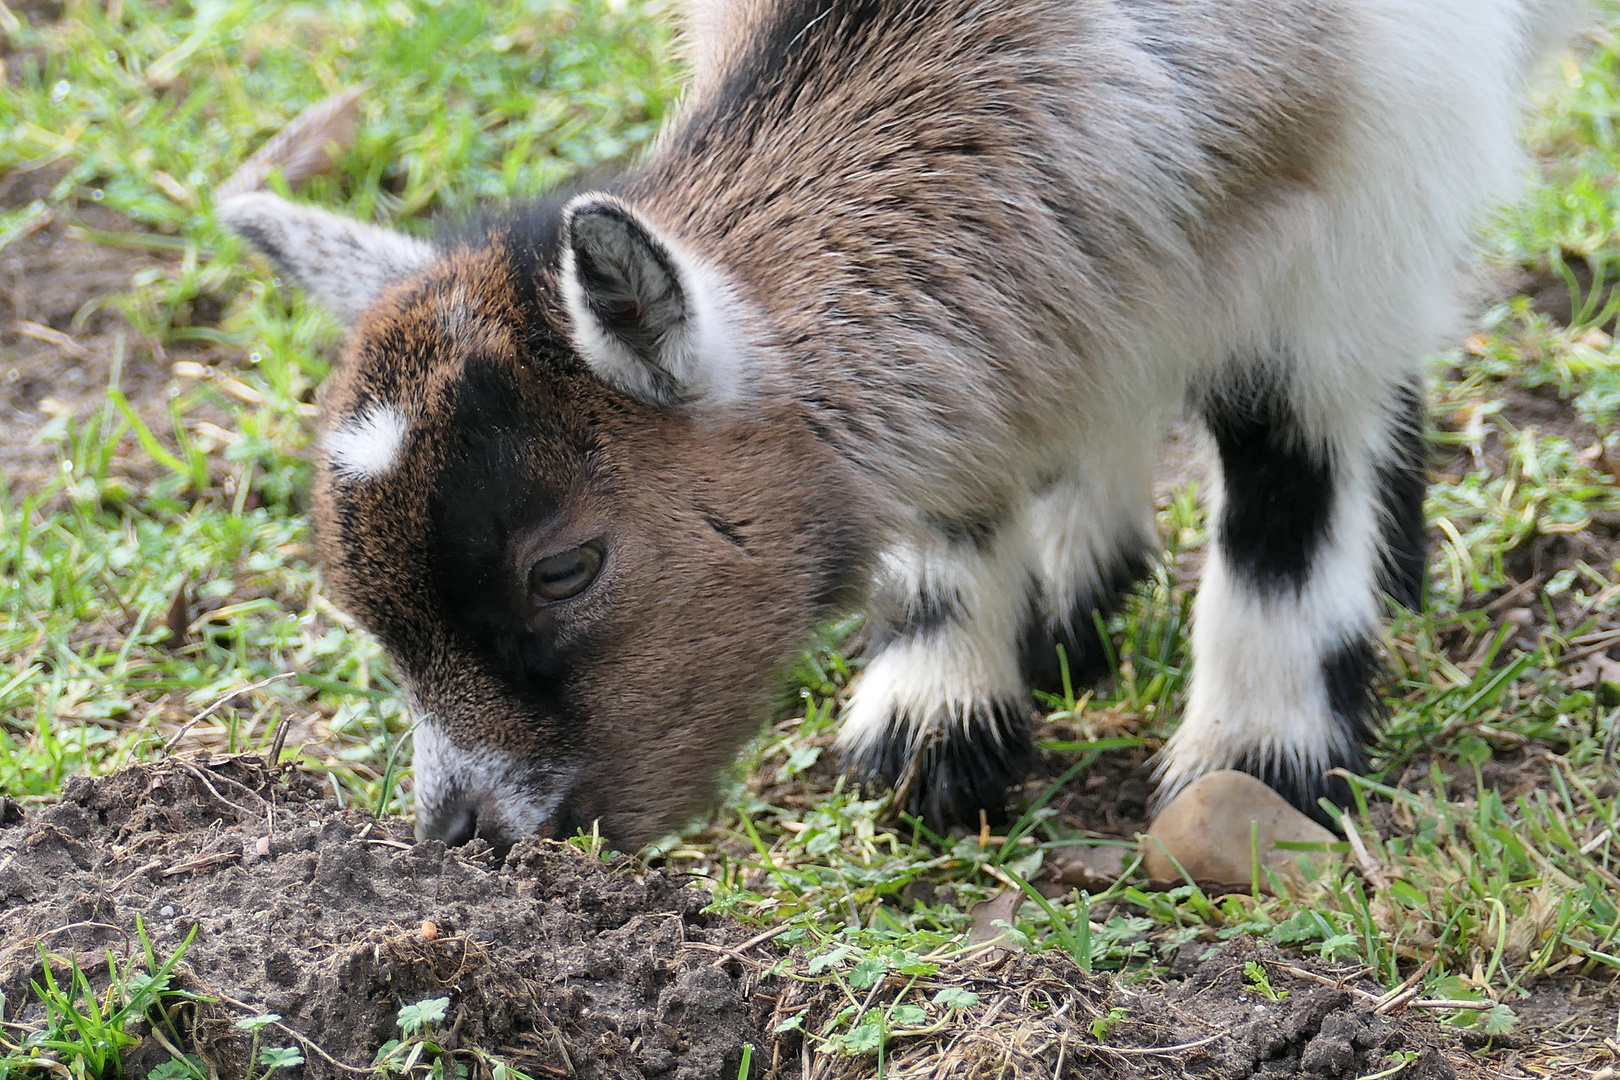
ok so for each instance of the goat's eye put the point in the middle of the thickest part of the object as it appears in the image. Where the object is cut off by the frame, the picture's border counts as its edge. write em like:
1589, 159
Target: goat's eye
561, 576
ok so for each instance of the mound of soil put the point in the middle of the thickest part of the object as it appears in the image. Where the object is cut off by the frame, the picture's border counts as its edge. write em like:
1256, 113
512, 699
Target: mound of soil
563, 964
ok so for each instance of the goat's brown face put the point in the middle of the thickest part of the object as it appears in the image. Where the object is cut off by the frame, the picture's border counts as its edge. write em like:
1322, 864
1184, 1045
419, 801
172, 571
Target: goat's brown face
589, 596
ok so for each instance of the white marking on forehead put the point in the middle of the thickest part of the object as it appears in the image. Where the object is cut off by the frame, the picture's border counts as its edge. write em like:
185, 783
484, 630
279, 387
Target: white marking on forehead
366, 446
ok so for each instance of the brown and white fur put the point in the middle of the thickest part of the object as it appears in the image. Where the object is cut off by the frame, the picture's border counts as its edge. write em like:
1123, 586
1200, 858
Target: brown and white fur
887, 317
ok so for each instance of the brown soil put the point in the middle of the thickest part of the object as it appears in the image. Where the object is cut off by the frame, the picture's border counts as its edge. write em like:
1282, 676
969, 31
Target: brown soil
1036, 1014
564, 964
60, 325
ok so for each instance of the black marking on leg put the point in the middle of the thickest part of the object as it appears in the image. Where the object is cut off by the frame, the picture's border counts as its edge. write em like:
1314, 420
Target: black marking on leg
1075, 626
1402, 483
947, 770
1348, 674
978, 531
929, 609
1279, 494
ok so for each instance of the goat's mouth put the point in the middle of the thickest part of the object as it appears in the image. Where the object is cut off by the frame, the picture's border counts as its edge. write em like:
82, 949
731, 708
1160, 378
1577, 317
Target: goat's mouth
463, 794
463, 820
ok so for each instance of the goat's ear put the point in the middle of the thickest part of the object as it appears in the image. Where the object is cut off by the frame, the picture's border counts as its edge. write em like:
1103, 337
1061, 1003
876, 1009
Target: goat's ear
647, 318
344, 264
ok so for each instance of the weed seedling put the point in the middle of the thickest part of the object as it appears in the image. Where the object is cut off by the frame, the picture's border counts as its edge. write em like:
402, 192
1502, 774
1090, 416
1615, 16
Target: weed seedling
1101, 1026
1256, 981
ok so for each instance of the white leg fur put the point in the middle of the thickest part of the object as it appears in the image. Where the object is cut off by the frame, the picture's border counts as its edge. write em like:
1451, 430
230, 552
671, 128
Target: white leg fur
947, 682
967, 658
1260, 697
1090, 533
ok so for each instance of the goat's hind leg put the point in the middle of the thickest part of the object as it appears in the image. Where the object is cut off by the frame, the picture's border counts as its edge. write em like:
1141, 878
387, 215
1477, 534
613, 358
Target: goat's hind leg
1094, 538
1317, 512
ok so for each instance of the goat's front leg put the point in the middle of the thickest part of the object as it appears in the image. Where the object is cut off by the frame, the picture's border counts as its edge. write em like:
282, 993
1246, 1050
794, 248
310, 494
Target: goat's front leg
1317, 512
942, 713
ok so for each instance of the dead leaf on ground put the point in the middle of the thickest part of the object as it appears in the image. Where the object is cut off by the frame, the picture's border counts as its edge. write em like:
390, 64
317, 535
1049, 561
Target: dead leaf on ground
178, 620
1001, 907
306, 147
1092, 867
1595, 669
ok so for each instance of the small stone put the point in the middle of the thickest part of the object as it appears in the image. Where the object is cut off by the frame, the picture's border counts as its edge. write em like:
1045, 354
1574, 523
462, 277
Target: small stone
430, 930
1206, 828
262, 846
167, 911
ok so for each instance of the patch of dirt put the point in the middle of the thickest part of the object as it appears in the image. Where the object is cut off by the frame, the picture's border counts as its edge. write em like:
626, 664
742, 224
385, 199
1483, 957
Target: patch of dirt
561, 964
565, 965
1564, 1023
1038, 1016
59, 327
1110, 797
1533, 563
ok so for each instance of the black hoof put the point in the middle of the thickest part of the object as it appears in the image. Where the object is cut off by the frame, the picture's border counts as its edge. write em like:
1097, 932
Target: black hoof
955, 768
1305, 786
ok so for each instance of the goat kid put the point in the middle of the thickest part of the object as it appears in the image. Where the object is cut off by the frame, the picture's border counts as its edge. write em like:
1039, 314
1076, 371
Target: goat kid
887, 317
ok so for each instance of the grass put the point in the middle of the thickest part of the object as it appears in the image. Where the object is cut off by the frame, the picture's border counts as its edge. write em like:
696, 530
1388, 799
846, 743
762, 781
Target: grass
86, 1029
142, 108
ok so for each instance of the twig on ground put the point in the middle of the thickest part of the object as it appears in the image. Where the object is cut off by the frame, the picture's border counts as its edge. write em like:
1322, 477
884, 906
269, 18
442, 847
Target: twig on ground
757, 939
220, 703
198, 773
1156, 1051
203, 863
1370, 868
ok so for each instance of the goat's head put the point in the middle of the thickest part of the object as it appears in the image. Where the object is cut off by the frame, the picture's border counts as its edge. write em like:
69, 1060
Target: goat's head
549, 487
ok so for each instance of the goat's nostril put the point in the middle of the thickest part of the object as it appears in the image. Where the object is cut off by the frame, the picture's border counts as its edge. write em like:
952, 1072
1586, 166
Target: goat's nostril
454, 825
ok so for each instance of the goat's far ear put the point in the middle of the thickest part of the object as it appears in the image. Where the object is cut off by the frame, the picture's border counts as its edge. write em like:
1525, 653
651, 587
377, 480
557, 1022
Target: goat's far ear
647, 318
343, 263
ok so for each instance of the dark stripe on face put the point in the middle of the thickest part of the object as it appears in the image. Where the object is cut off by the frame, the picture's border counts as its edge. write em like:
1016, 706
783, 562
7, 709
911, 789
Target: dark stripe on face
490, 488
1279, 487
729, 531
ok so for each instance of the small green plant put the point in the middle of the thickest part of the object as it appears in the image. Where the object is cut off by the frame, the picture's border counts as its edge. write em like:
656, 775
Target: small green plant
270, 1057
1256, 981
1398, 1061
85, 1031
1101, 1026
591, 843
418, 1054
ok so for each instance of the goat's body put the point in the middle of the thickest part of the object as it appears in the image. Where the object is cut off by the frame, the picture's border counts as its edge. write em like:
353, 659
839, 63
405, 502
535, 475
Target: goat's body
974, 238
984, 246
953, 259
